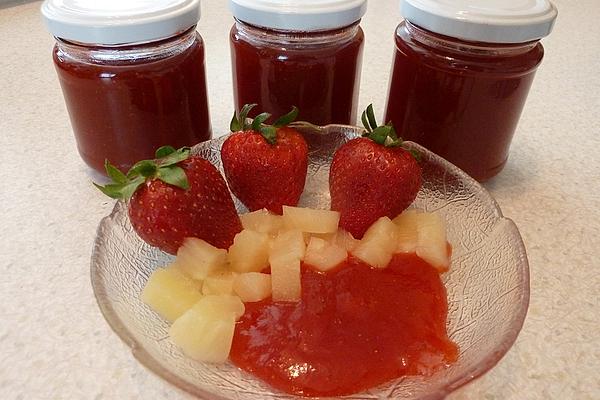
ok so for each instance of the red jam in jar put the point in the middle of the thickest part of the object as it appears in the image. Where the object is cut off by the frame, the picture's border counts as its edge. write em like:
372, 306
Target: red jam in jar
462, 98
128, 94
283, 60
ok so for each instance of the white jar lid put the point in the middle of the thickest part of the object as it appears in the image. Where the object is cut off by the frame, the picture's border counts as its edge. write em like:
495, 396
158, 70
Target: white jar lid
491, 21
299, 15
111, 22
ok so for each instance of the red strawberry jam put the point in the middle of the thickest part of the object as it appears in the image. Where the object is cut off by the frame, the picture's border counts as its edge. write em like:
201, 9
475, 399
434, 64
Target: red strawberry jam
319, 72
124, 108
355, 327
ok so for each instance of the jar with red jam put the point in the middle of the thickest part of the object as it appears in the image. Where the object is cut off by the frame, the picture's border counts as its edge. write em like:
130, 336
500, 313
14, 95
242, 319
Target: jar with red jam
304, 53
132, 75
461, 75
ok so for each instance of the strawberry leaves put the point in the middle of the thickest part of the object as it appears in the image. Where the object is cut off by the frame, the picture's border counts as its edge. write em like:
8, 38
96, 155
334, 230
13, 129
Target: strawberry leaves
238, 122
384, 135
269, 132
287, 118
164, 168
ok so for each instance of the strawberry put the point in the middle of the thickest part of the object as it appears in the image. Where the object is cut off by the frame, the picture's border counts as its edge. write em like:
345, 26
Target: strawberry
372, 176
174, 197
265, 165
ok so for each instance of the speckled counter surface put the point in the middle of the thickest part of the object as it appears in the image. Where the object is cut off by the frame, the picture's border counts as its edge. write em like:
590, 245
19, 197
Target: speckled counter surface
54, 343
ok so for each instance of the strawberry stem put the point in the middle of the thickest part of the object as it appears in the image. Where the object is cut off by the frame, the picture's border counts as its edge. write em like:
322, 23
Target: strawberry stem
269, 132
384, 135
164, 168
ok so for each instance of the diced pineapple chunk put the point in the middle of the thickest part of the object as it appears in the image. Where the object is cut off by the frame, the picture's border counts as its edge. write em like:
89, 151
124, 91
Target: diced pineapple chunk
432, 244
378, 243
205, 332
220, 283
219, 305
262, 221
198, 259
252, 286
345, 240
323, 255
328, 237
407, 224
249, 251
310, 220
285, 278
170, 293
289, 244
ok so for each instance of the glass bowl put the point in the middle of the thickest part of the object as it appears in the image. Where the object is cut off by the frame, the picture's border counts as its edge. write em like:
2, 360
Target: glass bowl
487, 285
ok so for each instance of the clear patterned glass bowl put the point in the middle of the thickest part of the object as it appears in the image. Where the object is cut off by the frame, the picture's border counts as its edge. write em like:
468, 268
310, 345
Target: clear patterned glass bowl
488, 283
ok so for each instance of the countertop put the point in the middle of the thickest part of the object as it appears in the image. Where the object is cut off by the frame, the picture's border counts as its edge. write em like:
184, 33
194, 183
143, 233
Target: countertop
55, 344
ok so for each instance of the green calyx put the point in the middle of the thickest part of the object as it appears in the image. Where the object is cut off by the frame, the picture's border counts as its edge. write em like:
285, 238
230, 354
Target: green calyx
384, 135
269, 132
164, 168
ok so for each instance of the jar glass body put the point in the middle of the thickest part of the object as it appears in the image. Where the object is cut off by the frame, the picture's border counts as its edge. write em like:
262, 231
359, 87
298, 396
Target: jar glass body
126, 101
319, 72
462, 100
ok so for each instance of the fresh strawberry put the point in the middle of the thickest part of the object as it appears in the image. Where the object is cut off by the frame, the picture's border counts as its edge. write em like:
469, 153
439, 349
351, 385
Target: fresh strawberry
265, 165
174, 197
372, 176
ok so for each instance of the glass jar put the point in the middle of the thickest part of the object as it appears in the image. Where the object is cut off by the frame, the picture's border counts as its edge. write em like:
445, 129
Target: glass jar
458, 86
287, 55
132, 92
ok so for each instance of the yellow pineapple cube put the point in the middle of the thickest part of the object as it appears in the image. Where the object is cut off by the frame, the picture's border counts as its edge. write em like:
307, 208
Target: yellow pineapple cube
407, 224
198, 259
345, 240
285, 278
323, 255
252, 286
432, 242
378, 244
249, 251
205, 332
219, 283
310, 220
288, 244
262, 221
219, 305
171, 293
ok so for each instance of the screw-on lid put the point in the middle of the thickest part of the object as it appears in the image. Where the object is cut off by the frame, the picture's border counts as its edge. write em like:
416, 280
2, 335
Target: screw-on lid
111, 22
299, 15
491, 21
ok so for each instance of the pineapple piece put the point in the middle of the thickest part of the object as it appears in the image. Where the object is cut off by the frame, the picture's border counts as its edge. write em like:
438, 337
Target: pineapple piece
309, 220
328, 237
220, 283
249, 251
323, 255
171, 293
289, 244
431, 242
407, 224
220, 305
205, 332
198, 259
262, 221
345, 240
203, 339
378, 244
285, 278
252, 286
